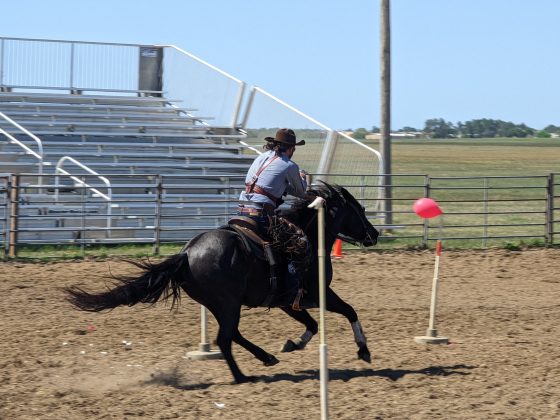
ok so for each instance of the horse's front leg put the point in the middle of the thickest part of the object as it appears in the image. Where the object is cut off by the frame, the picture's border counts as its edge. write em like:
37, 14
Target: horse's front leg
337, 305
311, 329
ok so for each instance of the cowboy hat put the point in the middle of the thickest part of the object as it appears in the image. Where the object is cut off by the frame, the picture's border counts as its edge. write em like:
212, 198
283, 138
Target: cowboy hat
287, 136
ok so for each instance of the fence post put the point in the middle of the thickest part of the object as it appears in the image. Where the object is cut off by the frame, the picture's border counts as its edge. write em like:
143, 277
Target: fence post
425, 227
83, 219
2, 65
227, 196
157, 216
6, 221
14, 212
549, 215
485, 210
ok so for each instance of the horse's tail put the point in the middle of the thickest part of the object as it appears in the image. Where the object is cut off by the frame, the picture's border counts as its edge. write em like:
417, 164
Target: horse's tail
161, 280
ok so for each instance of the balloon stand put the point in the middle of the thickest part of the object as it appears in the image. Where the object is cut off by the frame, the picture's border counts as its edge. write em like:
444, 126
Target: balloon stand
431, 336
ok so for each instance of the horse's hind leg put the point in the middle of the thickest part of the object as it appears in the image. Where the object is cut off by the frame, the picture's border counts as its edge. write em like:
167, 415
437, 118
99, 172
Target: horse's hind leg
263, 356
312, 328
228, 320
337, 305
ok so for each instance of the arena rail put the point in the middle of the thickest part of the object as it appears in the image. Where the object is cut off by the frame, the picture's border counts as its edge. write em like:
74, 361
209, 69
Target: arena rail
158, 209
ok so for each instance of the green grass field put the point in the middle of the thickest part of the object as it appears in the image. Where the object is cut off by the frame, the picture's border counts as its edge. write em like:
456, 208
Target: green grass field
473, 157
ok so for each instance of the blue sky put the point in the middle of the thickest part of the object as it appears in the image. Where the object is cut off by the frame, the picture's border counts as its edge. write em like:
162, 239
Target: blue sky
451, 59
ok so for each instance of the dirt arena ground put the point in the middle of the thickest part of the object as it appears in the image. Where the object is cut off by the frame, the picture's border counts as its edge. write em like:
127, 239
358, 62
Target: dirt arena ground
500, 309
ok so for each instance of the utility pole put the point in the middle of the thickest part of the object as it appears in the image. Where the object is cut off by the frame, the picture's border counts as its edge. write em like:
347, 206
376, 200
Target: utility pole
385, 141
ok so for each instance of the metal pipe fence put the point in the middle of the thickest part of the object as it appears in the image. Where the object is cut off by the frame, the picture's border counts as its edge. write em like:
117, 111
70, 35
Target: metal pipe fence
171, 209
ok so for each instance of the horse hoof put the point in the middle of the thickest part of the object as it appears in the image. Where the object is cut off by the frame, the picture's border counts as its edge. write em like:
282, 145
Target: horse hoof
290, 346
271, 361
363, 354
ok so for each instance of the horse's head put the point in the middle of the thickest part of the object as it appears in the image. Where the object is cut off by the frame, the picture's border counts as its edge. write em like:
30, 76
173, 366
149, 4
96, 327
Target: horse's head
345, 218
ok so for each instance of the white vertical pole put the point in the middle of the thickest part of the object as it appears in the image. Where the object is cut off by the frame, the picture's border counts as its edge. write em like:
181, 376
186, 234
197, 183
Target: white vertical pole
319, 205
204, 351
432, 332
204, 346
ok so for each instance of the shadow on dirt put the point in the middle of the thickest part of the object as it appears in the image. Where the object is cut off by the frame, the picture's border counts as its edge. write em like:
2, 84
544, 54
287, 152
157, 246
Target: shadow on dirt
348, 374
174, 378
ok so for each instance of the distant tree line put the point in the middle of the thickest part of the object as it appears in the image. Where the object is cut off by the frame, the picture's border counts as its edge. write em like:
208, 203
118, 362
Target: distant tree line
438, 128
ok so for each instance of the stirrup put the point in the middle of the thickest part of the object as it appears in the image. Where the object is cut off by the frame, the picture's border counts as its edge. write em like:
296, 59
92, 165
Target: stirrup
295, 305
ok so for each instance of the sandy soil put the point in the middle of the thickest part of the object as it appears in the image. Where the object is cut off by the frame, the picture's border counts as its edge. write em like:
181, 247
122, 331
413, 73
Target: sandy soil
500, 309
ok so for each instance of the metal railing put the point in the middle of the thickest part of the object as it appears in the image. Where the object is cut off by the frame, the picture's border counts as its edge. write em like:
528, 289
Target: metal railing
38, 155
73, 65
326, 151
80, 66
157, 209
489, 210
209, 89
81, 183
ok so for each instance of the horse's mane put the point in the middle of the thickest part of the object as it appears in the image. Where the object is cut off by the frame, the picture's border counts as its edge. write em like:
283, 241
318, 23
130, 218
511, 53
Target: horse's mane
321, 189
298, 212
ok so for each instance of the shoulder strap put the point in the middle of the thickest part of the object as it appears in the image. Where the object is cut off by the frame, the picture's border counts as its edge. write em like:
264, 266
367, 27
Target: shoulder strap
265, 164
250, 187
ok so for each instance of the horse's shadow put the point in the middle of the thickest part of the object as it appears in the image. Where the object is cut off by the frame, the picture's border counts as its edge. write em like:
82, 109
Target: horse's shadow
173, 379
348, 374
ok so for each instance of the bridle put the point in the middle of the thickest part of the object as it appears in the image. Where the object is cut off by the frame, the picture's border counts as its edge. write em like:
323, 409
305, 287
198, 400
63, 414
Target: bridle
345, 238
360, 213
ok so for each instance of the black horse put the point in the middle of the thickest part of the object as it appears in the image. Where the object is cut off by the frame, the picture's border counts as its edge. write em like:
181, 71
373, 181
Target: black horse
216, 270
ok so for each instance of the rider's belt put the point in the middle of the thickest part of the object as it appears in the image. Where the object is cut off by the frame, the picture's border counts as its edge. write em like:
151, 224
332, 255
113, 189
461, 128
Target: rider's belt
250, 188
249, 211
266, 210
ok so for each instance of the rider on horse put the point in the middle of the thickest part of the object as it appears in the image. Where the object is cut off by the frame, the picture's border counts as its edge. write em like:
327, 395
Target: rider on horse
272, 175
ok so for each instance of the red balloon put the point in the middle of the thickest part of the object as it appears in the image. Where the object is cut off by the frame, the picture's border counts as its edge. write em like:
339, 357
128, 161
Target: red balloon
426, 208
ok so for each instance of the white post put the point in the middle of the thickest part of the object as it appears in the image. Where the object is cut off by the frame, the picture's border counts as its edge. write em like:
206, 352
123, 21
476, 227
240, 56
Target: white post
204, 346
319, 205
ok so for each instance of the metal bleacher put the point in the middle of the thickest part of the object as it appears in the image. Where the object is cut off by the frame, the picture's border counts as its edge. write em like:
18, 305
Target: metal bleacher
120, 135
107, 155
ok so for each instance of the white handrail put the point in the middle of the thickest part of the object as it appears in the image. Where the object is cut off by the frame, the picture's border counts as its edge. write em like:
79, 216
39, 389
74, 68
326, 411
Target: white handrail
284, 104
58, 169
39, 155
108, 197
365, 146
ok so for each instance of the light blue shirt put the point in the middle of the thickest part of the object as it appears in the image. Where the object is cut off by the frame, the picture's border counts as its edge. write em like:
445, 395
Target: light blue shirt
281, 176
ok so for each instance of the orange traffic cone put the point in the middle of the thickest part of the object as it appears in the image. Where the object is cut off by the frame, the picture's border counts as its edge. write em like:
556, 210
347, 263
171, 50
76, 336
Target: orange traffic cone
337, 249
